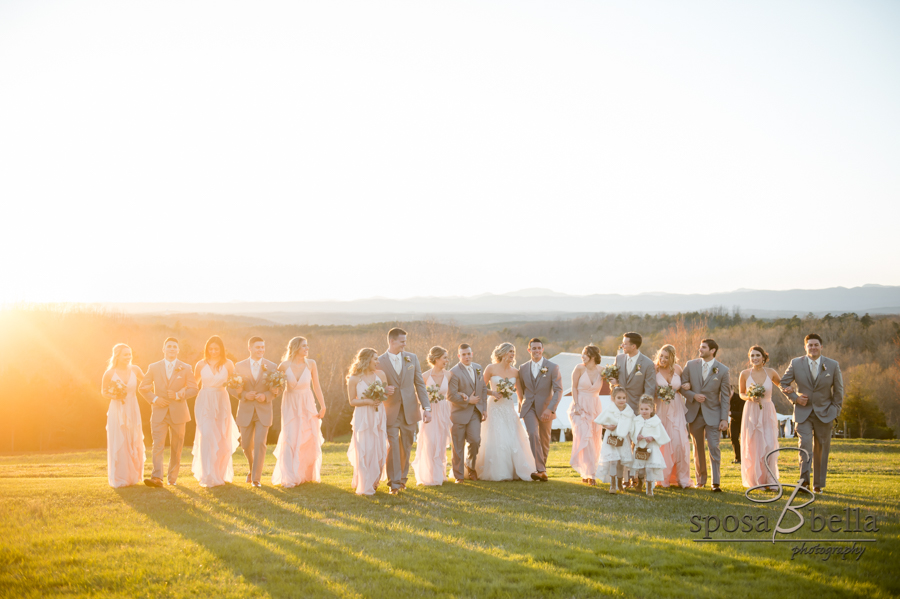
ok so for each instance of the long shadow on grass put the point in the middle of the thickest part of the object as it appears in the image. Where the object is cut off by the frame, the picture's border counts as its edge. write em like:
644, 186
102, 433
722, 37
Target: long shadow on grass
236, 547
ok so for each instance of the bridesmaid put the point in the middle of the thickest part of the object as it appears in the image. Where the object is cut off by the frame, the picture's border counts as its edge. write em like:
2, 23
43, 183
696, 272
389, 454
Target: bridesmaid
368, 443
430, 463
216, 437
759, 425
125, 453
298, 455
676, 453
587, 435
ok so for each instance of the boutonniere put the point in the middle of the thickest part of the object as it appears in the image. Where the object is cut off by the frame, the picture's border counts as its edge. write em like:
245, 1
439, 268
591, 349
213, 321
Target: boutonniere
478, 371
407, 358
638, 368
544, 370
715, 370
179, 368
823, 368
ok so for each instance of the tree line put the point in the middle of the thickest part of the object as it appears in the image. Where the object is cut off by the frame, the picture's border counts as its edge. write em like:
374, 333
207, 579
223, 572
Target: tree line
52, 358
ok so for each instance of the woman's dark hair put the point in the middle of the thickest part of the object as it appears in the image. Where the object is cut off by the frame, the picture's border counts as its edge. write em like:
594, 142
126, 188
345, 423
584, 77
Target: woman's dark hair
593, 353
760, 350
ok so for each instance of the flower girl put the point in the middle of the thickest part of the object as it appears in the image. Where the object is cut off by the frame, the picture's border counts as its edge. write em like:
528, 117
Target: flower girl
615, 456
648, 433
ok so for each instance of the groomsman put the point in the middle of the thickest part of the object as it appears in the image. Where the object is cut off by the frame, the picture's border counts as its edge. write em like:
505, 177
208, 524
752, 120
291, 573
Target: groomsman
637, 371
816, 407
539, 390
405, 385
167, 387
707, 404
468, 409
254, 413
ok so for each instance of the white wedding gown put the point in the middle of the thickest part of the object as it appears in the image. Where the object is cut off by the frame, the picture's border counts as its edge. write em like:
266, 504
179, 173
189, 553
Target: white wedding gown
505, 451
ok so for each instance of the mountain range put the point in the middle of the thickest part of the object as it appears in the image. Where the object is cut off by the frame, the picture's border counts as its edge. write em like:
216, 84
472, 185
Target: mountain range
542, 304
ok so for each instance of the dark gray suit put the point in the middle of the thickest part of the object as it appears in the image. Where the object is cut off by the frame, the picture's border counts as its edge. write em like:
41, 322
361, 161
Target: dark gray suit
816, 419
703, 418
402, 412
465, 417
539, 393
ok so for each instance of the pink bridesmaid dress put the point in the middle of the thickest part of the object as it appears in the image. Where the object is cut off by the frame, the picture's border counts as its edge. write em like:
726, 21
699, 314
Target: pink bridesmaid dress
298, 454
216, 438
125, 453
430, 463
587, 435
676, 453
368, 444
759, 436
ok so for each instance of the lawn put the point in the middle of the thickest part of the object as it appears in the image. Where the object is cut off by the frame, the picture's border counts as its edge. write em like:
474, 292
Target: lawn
66, 532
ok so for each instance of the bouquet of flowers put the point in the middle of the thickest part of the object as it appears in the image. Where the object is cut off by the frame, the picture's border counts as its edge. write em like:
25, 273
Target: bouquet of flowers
117, 390
235, 381
757, 392
506, 388
275, 380
434, 393
375, 392
610, 371
666, 393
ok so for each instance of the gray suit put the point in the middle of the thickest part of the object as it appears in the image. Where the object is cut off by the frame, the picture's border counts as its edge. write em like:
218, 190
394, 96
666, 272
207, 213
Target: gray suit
816, 419
703, 418
641, 381
172, 418
402, 412
254, 417
539, 394
465, 417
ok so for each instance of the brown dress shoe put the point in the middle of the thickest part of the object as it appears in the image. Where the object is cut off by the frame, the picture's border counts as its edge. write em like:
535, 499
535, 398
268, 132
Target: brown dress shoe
395, 491
153, 482
458, 480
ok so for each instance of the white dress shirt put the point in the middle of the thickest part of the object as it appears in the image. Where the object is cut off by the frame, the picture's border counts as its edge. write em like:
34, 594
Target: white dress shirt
630, 361
395, 361
707, 368
813, 367
170, 368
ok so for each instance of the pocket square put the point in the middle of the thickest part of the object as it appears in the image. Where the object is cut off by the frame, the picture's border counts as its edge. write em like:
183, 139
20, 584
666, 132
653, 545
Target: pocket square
409, 367
827, 375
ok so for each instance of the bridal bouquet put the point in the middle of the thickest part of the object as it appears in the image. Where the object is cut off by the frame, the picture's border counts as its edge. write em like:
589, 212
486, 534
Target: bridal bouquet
757, 392
506, 388
434, 393
235, 381
666, 393
275, 380
611, 371
375, 392
117, 390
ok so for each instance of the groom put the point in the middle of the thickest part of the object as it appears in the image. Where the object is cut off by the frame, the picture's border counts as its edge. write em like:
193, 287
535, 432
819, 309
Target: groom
816, 407
539, 389
167, 387
254, 413
468, 409
405, 384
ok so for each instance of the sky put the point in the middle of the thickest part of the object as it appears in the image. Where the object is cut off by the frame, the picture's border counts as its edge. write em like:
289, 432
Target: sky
281, 151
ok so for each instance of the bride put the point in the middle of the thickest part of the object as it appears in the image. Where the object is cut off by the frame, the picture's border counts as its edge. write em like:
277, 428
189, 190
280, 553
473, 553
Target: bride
505, 451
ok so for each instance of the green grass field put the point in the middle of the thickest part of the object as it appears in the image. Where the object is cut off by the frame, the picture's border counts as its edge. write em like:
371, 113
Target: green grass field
66, 532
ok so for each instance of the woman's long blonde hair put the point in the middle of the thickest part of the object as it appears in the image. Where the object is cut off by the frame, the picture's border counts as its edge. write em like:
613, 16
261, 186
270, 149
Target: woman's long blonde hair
293, 347
117, 349
670, 351
500, 351
362, 362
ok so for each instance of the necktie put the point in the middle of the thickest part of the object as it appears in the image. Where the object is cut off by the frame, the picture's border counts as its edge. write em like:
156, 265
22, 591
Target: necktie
169, 366
629, 365
395, 360
534, 369
813, 369
254, 368
705, 370
471, 375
